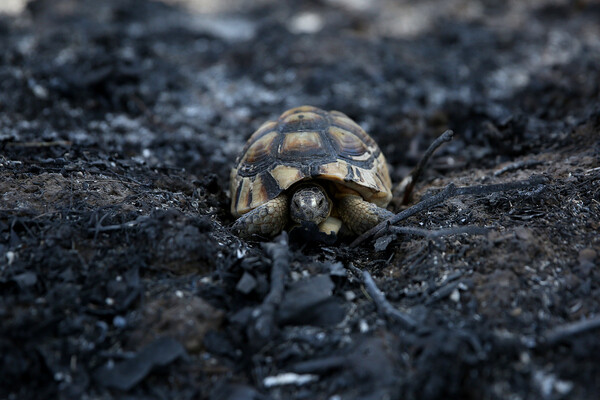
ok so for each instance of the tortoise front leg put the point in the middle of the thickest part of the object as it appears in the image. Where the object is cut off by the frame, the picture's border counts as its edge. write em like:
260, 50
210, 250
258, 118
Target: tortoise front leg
360, 215
266, 220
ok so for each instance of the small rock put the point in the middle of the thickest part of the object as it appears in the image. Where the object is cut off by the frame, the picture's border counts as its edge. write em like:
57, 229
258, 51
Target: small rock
119, 322
455, 296
126, 374
306, 22
25, 279
587, 255
523, 233
246, 284
310, 301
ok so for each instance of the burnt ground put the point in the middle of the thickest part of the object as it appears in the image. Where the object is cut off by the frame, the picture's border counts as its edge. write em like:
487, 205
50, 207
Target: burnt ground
119, 277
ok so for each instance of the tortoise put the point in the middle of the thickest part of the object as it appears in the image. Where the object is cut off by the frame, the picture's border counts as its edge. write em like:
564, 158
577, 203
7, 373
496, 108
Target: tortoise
313, 169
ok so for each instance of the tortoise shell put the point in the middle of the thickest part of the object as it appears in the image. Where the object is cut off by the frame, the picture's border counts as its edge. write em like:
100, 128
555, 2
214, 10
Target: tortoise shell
308, 143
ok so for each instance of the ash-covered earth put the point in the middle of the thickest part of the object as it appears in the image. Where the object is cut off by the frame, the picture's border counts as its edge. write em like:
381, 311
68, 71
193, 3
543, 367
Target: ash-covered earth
120, 277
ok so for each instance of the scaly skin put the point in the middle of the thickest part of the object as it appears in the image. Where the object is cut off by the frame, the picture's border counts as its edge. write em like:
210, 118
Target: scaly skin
270, 218
267, 220
360, 215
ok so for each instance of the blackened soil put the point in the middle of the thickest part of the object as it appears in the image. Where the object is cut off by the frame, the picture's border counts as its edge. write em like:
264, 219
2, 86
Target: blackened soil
119, 277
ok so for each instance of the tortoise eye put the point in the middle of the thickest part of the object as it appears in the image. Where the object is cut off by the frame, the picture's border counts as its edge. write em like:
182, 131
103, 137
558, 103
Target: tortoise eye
320, 203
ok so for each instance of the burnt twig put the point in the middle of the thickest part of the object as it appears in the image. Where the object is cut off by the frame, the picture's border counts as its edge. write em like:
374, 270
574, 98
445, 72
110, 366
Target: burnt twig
126, 225
384, 307
262, 327
436, 233
517, 165
442, 292
448, 192
418, 171
320, 365
563, 332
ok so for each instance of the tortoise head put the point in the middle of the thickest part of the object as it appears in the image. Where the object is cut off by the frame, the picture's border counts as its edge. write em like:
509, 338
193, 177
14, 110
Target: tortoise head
310, 204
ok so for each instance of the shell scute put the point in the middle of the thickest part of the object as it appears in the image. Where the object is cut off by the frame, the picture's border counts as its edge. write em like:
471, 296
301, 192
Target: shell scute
303, 121
258, 156
348, 144
302, 144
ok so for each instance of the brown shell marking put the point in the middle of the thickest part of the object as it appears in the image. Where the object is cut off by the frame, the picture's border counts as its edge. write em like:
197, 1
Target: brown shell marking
348, 145
298, 143
260, 149
304, 143
347, 124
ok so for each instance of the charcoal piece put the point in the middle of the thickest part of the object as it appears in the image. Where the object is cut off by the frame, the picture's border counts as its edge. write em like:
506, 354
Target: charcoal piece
367, 368
126, 374
25, 279
246, 284
383, 242
262, 326
328, 313
219, 344
242, 317
320, 365
310, 301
